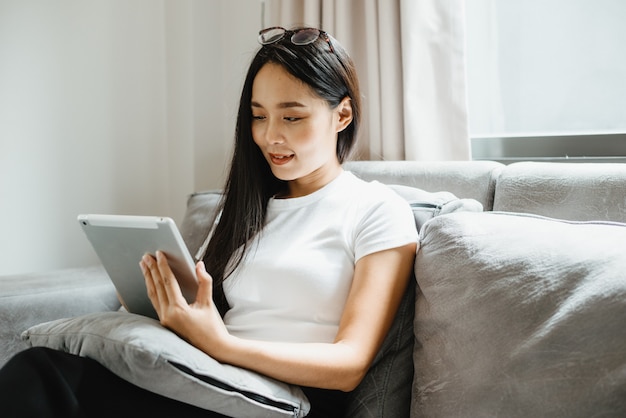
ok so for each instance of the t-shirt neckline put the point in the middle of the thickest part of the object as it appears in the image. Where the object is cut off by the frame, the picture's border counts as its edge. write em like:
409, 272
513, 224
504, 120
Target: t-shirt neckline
296, 202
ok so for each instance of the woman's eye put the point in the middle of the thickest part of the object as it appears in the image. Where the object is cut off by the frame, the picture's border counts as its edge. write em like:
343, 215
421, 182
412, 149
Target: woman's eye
258, 117
291, 119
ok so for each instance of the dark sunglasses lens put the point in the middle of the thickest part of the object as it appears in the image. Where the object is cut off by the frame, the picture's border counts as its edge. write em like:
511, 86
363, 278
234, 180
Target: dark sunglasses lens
271, 35
305, 36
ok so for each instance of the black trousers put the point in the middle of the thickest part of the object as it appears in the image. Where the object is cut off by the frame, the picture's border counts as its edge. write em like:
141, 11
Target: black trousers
41, 382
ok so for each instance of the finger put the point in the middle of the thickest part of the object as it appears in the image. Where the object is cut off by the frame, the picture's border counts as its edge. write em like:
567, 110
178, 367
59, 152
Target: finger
205, 285
168, 280
154, 282
149, 281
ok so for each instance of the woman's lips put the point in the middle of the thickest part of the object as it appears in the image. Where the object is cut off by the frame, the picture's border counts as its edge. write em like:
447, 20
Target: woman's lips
280, 159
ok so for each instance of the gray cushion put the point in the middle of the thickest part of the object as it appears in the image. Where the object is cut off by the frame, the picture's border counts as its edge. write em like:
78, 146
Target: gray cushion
520, 316
201, 208
464, 179
141, 351
574, 191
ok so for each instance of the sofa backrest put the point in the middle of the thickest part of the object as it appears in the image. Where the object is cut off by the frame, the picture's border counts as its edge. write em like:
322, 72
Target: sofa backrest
465, 179
569, 191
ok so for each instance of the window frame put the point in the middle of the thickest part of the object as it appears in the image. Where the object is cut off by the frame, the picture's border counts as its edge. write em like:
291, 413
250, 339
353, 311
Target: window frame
591, 147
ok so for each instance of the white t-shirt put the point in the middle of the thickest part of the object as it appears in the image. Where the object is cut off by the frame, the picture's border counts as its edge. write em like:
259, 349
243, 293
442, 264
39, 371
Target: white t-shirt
293, 283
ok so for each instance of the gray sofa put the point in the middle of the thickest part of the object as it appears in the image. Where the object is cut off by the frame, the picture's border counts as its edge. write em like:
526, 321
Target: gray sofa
517, 311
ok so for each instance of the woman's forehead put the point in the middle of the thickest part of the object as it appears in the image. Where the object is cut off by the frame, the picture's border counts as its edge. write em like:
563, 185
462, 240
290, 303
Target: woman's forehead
274, 85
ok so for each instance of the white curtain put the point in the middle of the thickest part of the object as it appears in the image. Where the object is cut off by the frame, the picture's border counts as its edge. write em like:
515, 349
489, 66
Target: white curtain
410, 56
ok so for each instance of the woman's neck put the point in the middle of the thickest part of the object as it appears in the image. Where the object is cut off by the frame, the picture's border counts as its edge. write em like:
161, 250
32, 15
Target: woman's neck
311, 183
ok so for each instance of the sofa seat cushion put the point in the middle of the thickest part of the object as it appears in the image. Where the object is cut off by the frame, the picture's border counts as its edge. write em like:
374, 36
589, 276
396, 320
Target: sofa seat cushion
141, 351
518, 316
29, 299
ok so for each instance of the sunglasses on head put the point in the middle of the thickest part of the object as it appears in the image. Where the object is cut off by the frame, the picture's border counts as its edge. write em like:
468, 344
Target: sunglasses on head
302, 36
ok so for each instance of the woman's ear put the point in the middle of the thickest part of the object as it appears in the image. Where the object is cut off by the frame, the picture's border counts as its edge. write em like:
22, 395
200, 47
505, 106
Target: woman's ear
344, 111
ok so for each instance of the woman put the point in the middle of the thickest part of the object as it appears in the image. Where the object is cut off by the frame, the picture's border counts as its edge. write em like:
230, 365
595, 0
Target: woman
307, 264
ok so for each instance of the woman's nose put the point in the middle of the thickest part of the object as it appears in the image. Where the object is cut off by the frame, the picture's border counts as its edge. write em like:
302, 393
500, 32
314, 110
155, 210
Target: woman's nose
273, 133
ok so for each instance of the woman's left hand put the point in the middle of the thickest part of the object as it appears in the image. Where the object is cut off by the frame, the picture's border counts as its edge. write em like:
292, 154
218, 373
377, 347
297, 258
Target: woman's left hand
200, 322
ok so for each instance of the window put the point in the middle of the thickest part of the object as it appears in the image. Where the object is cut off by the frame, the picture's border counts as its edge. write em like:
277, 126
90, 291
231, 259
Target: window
547, 79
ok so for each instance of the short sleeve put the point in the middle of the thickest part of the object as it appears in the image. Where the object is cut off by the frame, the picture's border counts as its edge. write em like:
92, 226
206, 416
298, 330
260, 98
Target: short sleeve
387, 223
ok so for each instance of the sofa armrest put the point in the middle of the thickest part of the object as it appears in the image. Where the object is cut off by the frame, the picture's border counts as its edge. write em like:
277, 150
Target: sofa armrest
29, 299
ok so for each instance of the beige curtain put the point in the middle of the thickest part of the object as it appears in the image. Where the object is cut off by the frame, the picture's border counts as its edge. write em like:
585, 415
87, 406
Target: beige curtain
410, 58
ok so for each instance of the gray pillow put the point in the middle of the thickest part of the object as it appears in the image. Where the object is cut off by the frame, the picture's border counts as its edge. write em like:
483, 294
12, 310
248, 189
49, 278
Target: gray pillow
200, 211
519, 316
141, 351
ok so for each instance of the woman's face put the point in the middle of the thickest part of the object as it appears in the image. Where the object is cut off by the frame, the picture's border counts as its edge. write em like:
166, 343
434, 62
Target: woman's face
296, 130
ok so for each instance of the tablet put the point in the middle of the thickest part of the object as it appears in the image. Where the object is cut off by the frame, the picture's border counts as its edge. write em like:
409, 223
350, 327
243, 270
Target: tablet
120, 241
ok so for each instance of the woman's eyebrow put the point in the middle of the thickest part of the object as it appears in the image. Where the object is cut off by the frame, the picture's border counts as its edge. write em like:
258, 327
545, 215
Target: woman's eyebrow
285, 105
282, 105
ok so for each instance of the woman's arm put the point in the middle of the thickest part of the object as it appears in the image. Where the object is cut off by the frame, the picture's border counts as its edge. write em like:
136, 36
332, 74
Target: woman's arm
380, 280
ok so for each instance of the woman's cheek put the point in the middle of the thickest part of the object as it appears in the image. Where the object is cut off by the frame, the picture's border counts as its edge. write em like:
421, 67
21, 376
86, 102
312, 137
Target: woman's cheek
257, 133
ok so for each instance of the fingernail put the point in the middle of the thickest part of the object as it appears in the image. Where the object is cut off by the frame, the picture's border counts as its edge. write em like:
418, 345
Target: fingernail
146, 260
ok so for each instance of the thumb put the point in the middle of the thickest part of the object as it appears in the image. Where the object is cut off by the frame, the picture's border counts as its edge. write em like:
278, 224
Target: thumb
205, 285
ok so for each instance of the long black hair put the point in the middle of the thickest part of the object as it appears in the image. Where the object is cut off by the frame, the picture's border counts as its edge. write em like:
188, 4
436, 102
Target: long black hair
327, 69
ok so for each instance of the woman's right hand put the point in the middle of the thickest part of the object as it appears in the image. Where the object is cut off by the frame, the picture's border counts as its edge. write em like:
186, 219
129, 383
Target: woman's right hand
199, 322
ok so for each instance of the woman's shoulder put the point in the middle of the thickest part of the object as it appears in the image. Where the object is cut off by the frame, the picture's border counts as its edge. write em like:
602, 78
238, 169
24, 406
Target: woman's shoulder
373, 199
372, 191
383, 220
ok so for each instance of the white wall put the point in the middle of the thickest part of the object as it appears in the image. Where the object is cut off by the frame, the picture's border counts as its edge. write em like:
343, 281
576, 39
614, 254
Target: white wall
113, 106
